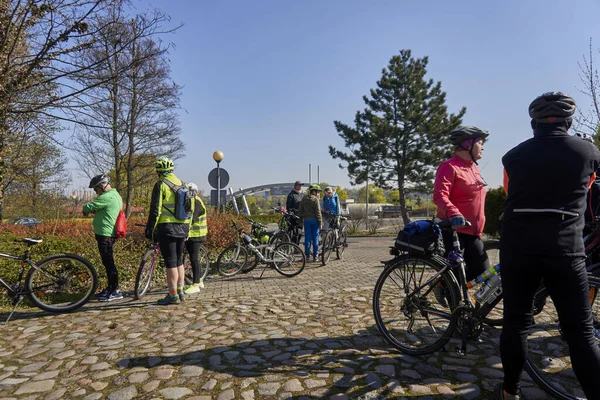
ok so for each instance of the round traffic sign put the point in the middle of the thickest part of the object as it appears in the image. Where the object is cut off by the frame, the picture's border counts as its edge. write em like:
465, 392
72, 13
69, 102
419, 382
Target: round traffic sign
212, 178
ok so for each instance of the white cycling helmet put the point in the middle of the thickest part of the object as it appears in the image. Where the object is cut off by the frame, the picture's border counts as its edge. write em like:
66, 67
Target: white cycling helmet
193, 187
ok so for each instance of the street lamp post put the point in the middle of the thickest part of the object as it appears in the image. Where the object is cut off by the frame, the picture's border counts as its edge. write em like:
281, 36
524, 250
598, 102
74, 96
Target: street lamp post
218, 157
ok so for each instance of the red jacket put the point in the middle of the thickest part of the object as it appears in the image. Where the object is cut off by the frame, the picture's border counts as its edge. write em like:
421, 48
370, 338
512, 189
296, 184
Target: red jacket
459, 189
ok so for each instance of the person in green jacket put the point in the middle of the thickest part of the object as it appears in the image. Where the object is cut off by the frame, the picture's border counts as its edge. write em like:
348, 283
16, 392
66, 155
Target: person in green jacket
198, 232
106, 208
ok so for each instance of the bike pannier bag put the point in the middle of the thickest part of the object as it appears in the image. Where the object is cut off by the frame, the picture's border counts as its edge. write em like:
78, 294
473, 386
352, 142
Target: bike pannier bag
421, 238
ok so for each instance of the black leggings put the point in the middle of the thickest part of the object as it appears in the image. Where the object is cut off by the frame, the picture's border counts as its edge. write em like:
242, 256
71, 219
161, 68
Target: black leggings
474, 253
105, 246
566, 281
193, 249
171, 249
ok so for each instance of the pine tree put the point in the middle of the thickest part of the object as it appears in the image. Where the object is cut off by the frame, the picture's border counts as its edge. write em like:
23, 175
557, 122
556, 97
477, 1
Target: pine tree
402, 136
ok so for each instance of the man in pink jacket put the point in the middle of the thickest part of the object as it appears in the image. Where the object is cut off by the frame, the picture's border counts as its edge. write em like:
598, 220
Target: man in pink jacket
459, 193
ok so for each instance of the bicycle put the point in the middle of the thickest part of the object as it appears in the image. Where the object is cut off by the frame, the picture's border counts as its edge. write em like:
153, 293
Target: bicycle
287, 258
260, 235
58, 283
143, 278
333, 238
290, 224
412, 320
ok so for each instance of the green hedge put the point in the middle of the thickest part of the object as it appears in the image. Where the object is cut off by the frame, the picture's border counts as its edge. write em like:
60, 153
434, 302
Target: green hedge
267, 218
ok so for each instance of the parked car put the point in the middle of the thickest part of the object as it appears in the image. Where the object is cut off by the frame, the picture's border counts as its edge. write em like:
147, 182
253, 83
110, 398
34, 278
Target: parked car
25, 221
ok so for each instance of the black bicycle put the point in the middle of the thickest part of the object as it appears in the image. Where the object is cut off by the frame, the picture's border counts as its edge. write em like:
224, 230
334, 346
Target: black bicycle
290, 224
59, 283
413, 317
333, 238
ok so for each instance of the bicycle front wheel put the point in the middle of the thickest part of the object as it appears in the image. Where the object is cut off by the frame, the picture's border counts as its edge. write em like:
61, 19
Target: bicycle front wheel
279, 237
144, 273
62, 282
288, 259
342, 242
232, 260
413, 307
548, 361
327, 247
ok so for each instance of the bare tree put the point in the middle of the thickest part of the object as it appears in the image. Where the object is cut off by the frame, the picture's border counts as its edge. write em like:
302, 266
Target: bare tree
588, 120
131, 117
40, 52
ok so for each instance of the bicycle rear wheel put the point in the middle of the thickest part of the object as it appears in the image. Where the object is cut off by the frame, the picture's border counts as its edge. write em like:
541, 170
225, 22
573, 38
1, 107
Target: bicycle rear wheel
342, 242
288, 259
62, 282
232, 260
327, 247
548, 361
407, 310
144, 273
495, 316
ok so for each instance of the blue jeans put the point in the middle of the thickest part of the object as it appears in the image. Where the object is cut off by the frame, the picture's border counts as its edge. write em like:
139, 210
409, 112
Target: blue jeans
311, 235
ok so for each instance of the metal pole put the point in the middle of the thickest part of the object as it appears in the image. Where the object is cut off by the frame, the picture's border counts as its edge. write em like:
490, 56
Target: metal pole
309, 172
218, 186
235, 207
367, 195
318, 175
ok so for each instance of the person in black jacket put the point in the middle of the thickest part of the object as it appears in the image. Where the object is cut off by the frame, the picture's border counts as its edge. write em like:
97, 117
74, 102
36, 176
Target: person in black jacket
294, 198
548, 177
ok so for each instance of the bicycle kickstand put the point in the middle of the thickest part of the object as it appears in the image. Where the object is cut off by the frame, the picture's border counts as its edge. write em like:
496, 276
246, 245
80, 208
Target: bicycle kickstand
19, 300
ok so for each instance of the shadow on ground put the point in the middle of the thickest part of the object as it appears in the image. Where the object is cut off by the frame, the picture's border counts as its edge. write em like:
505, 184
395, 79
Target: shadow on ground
359, 364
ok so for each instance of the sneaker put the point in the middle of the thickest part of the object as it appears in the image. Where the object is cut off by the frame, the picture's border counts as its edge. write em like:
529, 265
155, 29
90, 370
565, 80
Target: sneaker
201, 284
102, 293
308, 259
500, 394
314, 258
439, 291
192, 289
181, 295
114, 295
169, 299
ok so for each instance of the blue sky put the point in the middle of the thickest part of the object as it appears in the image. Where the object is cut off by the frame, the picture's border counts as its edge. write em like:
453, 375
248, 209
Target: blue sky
263, 81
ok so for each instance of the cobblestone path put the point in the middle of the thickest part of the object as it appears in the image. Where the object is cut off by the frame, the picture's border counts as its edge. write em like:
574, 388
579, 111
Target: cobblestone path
309, 337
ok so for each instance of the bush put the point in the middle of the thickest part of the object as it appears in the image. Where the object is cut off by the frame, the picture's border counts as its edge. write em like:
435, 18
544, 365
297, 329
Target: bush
77, 237
267, 218
494, 206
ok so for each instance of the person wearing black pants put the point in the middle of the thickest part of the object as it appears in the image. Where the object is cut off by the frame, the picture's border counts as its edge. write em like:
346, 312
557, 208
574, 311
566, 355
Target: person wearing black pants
547, 179
105, 247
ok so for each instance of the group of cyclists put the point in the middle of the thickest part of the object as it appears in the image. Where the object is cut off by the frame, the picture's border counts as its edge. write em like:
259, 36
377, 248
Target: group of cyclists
310, 209
172, 230
546, 179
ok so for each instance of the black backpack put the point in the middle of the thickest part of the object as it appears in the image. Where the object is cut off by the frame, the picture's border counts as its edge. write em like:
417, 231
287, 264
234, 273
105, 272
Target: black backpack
421, 238
183, 200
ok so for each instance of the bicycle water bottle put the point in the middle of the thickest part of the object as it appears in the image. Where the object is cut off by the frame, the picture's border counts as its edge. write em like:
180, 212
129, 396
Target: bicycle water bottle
485, 276
493, 290
248, 240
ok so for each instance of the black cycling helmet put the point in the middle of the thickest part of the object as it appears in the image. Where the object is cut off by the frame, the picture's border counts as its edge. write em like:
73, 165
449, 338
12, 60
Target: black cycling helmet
552, 107
464, 133
99, 180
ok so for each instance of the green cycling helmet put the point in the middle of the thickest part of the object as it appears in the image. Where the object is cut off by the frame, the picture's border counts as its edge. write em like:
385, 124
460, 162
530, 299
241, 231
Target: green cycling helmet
164, 164
314, 186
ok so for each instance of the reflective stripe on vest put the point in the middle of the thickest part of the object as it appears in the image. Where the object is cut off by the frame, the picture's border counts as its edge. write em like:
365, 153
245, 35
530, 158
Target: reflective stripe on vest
200, 228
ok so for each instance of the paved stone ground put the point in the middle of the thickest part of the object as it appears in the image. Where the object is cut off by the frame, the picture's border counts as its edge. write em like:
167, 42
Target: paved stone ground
308, 337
